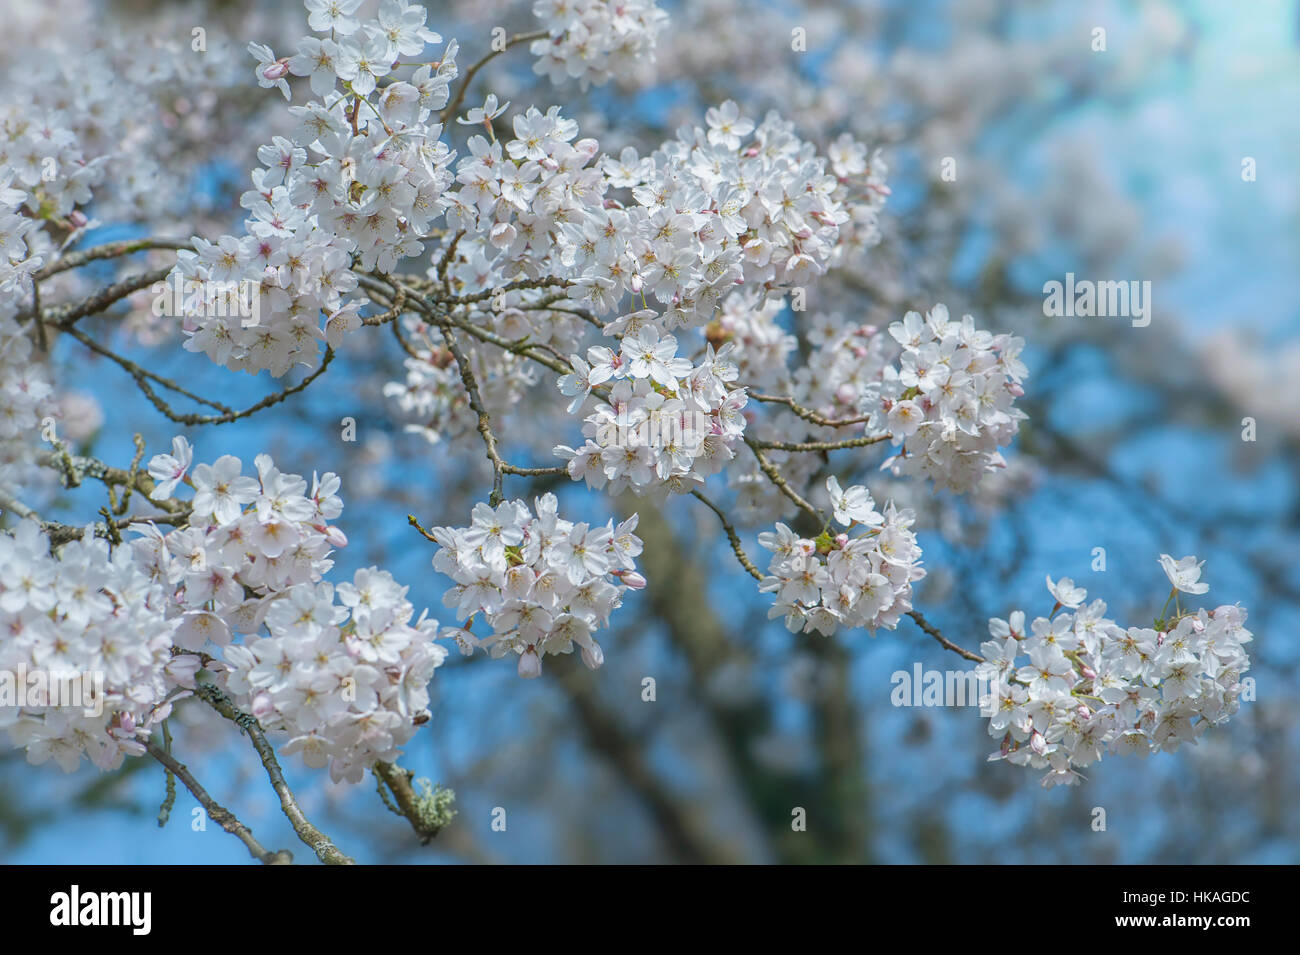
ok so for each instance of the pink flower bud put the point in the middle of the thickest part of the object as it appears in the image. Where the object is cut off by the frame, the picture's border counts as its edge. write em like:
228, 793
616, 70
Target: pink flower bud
77, 219
845, 394
336, 537
277, 70
841, 540
632, 579
1037, 743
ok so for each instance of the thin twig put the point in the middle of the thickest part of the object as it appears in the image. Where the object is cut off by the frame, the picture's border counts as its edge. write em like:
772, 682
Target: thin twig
319, 843
450, 109
222, 816
732, 536
863, 442
807, 413
109, 250
781, 483
943, 641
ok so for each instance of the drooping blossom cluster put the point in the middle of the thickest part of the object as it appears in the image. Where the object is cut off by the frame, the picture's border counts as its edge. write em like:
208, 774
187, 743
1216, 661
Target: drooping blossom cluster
593, 40
341, 669
664, 424
948, 402
543, 584
344, 672
86, 650
838, 580
359, 179
1076, 684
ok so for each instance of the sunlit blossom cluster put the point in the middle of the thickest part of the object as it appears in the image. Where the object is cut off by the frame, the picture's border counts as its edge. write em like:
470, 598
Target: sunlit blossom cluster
660, 423
358, 182
859, 577
1076, 684
948, 402
543, 585
341, 670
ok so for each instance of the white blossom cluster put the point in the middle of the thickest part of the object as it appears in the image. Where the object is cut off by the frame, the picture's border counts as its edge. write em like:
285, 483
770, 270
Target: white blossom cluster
18, 233
846, 361
542, 584
26, 398
344, 672
41, 153
717, 207
842, 581
341, 670
26, 394
86, 650
1088, 685
432, 393
664, 424
593, 40
359, 179
116, 118
24, 248
948, 402
515, 198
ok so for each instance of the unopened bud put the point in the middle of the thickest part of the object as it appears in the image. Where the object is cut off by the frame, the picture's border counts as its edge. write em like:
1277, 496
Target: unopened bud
632, 579
593, 656
530, 664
